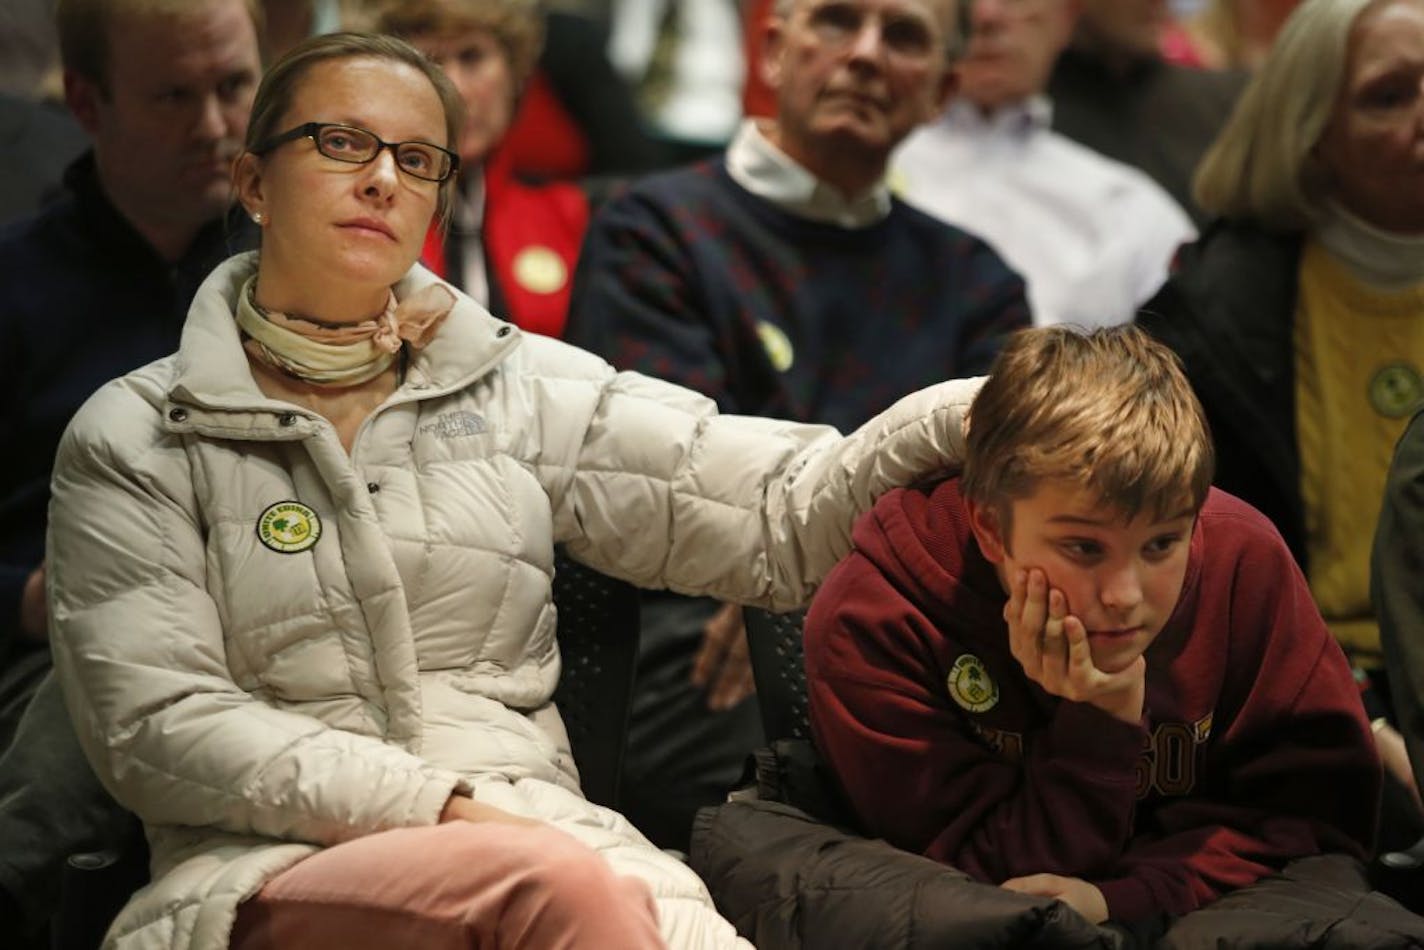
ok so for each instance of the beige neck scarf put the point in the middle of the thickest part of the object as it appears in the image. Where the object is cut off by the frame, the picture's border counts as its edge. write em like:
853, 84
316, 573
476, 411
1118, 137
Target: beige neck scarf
341, 355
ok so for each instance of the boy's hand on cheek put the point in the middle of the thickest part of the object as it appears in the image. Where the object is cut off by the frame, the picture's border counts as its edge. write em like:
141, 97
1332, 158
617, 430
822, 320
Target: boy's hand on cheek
1078, 894
1052, 647
1026, 614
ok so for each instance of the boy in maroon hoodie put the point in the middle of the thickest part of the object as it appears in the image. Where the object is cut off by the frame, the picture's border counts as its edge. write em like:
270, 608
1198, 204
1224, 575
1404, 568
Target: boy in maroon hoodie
1078, 671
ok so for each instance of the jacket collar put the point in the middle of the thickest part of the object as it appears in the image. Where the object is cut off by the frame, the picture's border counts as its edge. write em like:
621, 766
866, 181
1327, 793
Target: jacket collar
769, 173
213, 373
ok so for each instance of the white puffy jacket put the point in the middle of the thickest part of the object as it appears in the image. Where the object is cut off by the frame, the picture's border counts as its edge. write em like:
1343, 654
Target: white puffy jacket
253, 704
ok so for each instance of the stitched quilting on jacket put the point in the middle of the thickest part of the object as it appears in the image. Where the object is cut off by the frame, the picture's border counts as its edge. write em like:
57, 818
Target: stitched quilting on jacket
270, 645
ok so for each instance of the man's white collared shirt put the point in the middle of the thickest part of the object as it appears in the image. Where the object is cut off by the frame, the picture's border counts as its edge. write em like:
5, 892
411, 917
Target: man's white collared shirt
769, 173
1093, 238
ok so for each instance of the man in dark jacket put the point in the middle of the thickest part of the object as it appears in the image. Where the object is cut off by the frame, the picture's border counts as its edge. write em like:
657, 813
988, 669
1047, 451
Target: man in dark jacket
1397, 589
94, 286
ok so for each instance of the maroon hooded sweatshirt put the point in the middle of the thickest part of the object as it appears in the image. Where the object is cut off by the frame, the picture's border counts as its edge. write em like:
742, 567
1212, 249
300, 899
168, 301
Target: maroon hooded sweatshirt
1253, 749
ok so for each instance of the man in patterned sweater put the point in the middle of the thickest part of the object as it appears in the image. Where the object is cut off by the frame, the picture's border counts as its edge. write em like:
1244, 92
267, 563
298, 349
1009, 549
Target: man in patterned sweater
784, 280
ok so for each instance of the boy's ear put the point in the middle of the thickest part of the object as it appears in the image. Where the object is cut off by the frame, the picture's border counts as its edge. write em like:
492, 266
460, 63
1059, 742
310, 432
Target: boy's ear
984, 522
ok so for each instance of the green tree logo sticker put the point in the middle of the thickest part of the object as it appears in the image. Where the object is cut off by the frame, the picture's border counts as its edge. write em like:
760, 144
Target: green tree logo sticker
288, 527
971, 686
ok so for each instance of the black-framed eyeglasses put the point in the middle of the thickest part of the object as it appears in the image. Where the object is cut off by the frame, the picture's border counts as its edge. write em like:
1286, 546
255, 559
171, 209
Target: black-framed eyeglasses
356, 146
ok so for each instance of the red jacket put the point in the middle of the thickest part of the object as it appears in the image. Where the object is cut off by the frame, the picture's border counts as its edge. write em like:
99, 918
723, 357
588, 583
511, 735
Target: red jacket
1254, 747
532, 235
544, 140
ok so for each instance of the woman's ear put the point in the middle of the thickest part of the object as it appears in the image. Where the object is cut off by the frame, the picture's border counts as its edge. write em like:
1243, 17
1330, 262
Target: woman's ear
984, 522
247, 185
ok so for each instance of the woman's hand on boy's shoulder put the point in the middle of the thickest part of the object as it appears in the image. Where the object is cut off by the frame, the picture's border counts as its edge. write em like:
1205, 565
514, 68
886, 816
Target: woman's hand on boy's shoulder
1052, 647
1077, 893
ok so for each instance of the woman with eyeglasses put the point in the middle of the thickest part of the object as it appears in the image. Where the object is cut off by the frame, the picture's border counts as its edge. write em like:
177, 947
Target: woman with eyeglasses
300, 570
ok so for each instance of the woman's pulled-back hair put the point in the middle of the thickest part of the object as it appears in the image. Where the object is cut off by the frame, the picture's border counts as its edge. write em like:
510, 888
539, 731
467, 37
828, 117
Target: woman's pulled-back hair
1261, 168
279, 86
1108, 410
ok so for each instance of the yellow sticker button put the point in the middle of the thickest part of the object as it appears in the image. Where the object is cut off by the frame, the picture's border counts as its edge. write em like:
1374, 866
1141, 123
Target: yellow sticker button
539, 270
288, 527
971, 686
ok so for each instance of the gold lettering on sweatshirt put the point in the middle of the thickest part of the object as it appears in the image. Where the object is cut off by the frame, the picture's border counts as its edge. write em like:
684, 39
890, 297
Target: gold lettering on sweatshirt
1168, 763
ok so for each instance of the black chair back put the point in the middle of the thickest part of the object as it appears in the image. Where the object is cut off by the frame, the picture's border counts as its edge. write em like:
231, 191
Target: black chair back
779, 668
598, 642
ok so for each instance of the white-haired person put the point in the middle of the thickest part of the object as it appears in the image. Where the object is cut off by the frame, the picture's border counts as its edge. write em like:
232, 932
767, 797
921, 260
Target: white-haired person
1300, 314
299, 572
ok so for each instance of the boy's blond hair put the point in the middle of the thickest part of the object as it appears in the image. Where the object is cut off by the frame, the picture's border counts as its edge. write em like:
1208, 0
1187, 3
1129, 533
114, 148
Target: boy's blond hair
1109, 410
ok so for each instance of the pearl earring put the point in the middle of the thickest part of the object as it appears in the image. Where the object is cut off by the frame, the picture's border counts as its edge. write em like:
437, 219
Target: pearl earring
257, 217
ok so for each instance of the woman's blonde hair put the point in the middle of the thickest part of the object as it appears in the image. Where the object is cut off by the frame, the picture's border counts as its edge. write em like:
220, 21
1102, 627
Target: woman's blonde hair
517, 25
1107, 410
1262, 166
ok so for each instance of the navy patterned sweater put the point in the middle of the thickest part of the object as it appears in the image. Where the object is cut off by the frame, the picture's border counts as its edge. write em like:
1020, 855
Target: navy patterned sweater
689, 277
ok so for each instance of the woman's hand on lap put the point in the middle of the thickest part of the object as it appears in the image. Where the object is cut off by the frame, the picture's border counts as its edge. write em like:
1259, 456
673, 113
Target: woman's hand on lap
464, 808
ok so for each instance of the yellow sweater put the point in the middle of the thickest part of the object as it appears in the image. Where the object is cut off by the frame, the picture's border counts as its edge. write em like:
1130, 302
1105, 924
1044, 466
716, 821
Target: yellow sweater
1358, 356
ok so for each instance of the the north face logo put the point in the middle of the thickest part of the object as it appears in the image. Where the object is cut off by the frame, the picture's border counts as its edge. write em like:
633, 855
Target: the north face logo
453, 425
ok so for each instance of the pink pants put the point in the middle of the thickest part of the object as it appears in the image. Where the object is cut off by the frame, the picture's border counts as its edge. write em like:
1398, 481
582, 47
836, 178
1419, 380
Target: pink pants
460, 884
